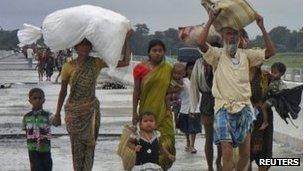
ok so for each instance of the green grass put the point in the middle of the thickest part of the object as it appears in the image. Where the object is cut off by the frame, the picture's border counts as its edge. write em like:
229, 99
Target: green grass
290, 59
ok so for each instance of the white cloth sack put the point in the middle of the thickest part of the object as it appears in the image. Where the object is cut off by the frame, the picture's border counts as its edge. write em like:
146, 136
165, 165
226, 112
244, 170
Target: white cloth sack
122, 74
65, 28
28, 35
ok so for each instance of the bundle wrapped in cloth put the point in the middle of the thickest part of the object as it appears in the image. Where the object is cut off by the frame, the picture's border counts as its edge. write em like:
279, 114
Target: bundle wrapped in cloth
127, 155
233, 13
65, 28
190, 35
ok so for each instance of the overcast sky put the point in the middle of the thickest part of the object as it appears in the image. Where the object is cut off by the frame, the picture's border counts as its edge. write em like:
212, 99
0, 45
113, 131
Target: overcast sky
157, 14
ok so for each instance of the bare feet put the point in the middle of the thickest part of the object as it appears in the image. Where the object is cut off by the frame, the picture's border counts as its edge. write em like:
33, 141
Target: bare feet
263, 126
187, 149
193, 150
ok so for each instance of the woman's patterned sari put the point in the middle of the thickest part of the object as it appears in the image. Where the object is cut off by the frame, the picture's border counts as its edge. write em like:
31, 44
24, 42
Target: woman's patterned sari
83, 115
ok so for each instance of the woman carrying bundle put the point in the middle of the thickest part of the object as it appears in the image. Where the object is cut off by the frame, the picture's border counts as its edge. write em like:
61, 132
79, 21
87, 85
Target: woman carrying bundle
82, 114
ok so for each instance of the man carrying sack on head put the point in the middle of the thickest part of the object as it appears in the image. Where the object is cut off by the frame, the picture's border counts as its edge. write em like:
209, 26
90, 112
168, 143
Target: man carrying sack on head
231, 89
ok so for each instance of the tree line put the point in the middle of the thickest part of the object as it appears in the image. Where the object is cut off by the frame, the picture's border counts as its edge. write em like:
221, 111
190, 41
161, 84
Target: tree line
284, 39
8, 39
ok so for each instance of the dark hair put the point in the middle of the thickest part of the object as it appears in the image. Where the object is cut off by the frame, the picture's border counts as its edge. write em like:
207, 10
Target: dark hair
189, 64
36, 90
85, 42
155, 42
244, 33
145, 114
280, 67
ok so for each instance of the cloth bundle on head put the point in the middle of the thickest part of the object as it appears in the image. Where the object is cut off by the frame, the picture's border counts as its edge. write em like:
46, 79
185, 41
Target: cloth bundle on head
190, 35
65, 28
235, 14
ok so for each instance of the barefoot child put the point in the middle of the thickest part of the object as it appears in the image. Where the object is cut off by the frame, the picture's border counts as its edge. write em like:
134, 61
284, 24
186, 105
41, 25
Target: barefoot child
188, 123
37, 125
275, 86
146, 144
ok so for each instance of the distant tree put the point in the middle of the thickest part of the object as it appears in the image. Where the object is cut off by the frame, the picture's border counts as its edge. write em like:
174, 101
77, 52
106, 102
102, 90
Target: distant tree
139, 39
299, 40
283, 39
171, 40
142, 29
159, 35
8, 40
257, 42
172, 34
279, 34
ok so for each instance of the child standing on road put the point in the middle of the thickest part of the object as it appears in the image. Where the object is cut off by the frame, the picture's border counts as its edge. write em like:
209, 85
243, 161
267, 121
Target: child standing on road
37, 125
41, 57
146, 144
188, 123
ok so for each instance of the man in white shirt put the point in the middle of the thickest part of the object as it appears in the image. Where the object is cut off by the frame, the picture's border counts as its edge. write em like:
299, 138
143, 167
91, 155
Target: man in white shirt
231, 89
30, 55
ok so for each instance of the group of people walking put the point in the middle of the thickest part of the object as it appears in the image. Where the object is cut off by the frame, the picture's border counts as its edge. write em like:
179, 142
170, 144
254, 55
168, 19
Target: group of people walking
47, 61
225, 89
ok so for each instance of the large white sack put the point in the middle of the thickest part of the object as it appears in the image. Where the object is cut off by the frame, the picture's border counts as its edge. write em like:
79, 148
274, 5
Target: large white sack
63, 29
122, 74
28, 35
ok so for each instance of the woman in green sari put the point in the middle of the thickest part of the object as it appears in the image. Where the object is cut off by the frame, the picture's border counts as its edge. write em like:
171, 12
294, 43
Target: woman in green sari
151, 81
82, 114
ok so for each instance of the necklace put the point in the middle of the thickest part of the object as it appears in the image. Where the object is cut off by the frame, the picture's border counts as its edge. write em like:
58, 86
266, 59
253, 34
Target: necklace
150, 65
